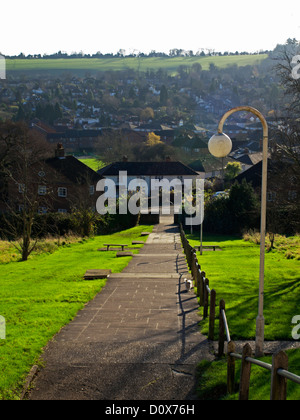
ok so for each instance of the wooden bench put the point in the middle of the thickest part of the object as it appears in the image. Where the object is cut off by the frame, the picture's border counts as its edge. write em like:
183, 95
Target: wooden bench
124, 254
118, 245
208, 247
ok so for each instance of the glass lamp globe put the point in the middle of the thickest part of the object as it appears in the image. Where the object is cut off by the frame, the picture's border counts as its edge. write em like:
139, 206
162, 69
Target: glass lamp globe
220, 145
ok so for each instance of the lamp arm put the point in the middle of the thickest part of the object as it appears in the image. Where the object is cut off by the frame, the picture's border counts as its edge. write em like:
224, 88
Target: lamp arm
246, 109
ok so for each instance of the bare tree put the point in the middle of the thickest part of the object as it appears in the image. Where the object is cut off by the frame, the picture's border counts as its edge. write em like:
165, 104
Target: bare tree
113, 146
284, 182
83, 206
286, 56
22, 154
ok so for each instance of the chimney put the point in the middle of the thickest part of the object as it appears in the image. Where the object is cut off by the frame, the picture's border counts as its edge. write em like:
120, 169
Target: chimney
168, 159
59, 151
125, 158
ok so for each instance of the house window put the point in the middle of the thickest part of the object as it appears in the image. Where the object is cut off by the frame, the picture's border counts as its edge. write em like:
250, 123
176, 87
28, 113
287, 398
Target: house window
42, 210
292, 195
62, 192
271, 196
62, 211
21, 188
92, 190
42, 190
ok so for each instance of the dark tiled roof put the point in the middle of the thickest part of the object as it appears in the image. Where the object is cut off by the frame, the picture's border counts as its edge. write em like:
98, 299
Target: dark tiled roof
73, 169
148, 169
74, 134
250, 159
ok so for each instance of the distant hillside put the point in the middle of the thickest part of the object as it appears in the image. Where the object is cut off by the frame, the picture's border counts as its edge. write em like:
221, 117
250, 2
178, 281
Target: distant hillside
170, 64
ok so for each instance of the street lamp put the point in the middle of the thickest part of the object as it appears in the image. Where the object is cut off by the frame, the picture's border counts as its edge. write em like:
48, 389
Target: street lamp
220, 146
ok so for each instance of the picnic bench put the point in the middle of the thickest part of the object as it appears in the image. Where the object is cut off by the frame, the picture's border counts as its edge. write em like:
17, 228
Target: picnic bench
208, 247
118, 245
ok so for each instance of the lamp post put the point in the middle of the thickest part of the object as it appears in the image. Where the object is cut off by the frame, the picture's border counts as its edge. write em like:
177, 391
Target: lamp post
220, 145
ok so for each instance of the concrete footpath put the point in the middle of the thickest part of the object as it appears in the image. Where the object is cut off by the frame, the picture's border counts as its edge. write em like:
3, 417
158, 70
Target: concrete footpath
137, 340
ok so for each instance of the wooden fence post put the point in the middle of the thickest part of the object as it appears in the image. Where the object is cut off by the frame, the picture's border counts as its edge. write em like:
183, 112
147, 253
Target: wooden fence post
230, 368
202, 277
190, 256
212, 315
194, 264
221, 329
278, 383
245, 374
198, 281
206, 299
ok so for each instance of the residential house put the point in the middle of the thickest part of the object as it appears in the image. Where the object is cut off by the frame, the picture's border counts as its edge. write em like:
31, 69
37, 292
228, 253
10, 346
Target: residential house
56, 185
147, 171
73, 182
75, 140
282, 184
209, 167
247, 160
165, 133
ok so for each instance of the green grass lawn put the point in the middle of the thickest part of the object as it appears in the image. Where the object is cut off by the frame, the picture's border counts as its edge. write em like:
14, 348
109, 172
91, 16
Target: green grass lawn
212, 378
94, 164
38, 297
141, 64
234, 274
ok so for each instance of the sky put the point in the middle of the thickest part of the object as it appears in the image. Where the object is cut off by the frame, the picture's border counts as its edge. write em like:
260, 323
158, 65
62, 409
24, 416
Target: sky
44, 27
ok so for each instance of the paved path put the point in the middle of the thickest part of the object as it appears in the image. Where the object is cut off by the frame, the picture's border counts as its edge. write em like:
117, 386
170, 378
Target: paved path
137, 340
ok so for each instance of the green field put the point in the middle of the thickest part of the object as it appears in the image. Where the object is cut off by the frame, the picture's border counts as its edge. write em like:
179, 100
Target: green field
38, 297
170, 64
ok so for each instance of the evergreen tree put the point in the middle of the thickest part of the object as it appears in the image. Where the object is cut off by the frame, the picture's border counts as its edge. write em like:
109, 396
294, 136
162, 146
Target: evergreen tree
163, 96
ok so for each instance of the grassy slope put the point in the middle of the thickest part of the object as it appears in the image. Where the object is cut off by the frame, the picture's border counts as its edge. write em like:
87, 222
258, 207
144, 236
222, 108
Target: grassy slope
40, 296
141, 64
234, 274
212, 380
